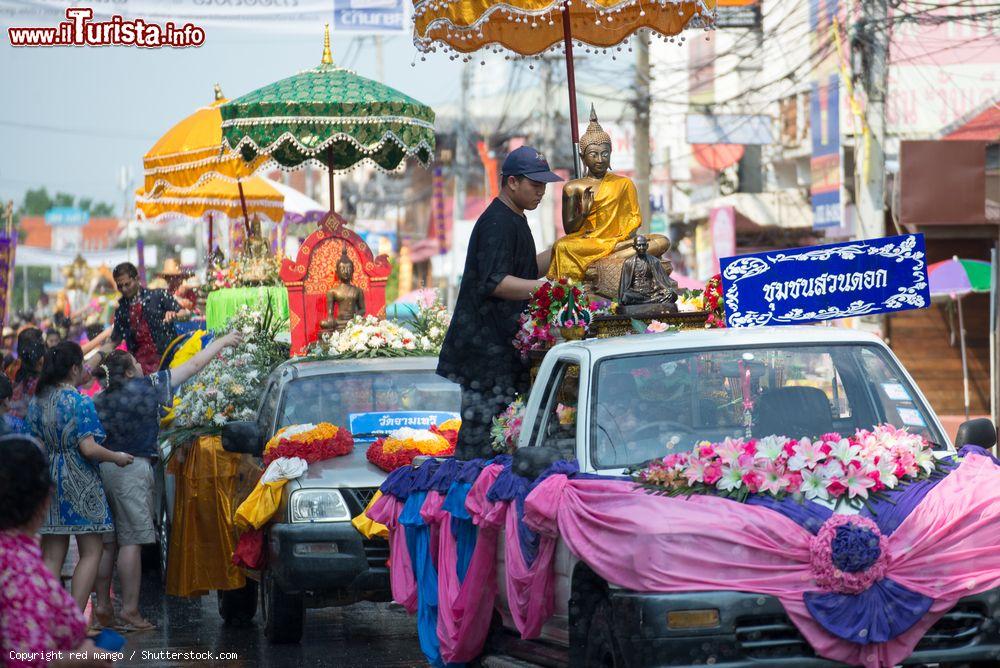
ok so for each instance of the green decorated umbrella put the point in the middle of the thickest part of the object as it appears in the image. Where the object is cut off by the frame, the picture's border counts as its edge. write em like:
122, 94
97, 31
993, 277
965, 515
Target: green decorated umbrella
330, 116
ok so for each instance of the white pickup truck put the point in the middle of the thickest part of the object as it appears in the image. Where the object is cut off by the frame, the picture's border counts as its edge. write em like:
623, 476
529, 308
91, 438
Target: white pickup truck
641, 397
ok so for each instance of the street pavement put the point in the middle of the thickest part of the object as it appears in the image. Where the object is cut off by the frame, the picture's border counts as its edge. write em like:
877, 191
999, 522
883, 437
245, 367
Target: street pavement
365, 634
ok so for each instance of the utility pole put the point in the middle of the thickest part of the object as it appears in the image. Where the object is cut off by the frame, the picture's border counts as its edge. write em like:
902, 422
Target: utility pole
642, 101
869, 171
460, 162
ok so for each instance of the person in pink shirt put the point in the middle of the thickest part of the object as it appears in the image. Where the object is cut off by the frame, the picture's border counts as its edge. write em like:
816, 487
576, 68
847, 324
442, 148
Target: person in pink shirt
38, 617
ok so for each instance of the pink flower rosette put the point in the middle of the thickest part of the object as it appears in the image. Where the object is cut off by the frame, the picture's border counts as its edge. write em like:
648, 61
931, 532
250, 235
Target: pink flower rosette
848, 555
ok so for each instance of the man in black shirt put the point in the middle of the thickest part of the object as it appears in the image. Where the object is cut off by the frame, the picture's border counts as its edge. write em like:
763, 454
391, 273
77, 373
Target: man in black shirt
502, 269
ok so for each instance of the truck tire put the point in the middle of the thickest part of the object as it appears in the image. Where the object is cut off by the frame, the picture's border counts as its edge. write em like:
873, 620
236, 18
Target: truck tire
601, 648
283, 614
238, 606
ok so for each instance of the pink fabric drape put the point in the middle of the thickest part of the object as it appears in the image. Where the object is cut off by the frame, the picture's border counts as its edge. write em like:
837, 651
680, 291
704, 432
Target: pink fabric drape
401, 577
946, 549
465, 610
530, 589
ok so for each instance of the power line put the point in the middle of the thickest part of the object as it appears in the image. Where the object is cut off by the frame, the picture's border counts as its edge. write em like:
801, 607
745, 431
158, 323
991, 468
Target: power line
97, 134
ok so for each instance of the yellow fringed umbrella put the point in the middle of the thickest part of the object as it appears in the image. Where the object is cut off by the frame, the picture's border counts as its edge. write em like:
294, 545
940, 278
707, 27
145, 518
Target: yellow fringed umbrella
191, 153
214, 197
529, 27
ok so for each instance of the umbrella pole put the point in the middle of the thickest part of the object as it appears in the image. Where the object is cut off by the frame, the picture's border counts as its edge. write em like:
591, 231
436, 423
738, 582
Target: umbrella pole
965, 363
243, 205
571, 84
329, 174
211, 233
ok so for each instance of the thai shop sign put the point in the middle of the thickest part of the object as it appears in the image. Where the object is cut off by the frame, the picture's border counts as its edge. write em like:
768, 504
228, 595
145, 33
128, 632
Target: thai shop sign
824, 120
370, 16
818, 283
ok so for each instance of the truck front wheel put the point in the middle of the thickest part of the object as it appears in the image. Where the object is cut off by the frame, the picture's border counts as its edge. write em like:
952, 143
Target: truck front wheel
601, 647
284, 614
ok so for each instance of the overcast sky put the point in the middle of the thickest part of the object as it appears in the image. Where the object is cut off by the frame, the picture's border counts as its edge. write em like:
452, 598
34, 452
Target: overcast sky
70, 118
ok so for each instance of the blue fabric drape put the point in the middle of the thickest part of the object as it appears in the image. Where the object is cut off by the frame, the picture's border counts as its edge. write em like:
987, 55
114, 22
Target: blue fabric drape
878, 614
418, 544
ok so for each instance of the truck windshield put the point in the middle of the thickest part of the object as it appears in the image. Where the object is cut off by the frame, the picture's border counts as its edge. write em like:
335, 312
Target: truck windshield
652, 405
333, 397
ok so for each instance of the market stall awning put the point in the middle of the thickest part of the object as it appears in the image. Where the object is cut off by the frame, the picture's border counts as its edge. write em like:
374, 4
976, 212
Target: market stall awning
33, 256
783, 208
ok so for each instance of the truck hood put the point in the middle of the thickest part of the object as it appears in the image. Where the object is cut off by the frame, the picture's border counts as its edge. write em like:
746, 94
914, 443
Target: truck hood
351, 471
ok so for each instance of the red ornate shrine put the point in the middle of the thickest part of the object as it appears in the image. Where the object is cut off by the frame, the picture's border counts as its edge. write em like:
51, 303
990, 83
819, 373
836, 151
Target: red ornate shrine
314, 272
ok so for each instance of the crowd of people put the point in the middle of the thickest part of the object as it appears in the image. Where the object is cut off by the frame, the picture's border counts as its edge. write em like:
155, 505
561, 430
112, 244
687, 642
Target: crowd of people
79, 435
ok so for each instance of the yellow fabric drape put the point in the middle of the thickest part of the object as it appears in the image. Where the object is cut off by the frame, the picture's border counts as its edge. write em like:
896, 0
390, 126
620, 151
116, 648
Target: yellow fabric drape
202, 538
368, 527
613, 217
258, 508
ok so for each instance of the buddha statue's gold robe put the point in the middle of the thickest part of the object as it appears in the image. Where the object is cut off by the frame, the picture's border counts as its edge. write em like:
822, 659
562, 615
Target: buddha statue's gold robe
614, 217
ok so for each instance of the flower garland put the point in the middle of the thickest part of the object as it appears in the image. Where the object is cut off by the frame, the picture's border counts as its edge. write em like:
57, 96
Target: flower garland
402, 446
710, 299
311, 442
368, 336
553, 304
507, 427
830, 467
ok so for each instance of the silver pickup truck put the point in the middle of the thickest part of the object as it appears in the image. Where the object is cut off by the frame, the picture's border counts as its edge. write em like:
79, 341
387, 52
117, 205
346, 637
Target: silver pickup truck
315, 556
636, 395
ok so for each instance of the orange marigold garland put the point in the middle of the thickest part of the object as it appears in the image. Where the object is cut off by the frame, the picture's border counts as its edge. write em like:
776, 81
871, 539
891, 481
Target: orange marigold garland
401, 446
313, 443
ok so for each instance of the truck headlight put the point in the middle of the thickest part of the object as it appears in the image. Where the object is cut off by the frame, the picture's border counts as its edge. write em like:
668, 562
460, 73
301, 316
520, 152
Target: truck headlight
318, 505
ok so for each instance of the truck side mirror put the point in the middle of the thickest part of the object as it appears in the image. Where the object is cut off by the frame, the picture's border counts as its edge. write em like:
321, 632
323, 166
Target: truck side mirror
242, 437
979, 432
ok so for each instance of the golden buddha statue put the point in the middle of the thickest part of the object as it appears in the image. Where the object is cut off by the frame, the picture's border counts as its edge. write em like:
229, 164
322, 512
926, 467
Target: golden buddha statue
347, 297
258, 265
600, 210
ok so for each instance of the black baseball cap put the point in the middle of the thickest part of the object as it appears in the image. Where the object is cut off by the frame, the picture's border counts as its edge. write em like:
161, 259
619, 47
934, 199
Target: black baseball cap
528, 162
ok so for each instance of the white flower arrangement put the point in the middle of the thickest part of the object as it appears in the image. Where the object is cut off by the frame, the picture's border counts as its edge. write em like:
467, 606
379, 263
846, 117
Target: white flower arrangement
229, 387
368, 336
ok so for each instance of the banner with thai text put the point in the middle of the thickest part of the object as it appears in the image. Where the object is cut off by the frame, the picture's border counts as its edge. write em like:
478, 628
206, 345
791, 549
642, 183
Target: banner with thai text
816, 283
384, 423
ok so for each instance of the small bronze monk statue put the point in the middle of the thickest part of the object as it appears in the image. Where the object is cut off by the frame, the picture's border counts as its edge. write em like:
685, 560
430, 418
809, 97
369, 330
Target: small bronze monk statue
349, 298
645, 281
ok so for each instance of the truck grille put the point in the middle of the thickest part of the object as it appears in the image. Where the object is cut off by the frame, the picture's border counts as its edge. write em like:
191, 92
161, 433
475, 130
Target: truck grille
770, 637
774, 636
957, 628
376, 552
365, 495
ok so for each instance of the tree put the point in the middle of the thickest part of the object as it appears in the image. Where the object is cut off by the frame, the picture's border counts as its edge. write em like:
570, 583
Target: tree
85, 203
63, 199
36, 202
102, 210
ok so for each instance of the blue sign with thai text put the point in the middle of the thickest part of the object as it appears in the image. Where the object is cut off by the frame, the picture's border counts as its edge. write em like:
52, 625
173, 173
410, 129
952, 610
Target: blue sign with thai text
66, 216
383, 423
803, 285
370, 16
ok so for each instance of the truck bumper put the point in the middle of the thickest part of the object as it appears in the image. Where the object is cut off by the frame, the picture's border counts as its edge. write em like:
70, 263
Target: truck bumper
754, 631
328, 560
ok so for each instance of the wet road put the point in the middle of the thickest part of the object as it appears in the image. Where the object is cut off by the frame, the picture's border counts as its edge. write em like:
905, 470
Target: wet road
365, 634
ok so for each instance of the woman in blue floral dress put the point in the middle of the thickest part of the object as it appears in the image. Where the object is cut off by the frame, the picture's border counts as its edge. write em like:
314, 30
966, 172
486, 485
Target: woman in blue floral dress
67, 423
